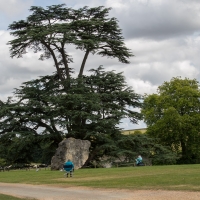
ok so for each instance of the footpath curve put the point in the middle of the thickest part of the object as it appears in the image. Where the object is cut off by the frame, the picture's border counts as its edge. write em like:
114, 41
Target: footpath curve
43, 192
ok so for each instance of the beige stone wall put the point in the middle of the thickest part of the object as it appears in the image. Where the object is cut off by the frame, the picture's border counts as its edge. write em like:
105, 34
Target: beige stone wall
132, 131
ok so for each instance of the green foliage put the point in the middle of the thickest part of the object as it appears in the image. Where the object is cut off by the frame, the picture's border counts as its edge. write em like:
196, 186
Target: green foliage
53, 107
19, 147
173, 116
50, 30
42, 113
162, 155
2, 162
150, 149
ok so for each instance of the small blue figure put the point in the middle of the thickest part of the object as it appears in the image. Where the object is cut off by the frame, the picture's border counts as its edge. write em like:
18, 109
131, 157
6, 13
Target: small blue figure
69, 168
139, 160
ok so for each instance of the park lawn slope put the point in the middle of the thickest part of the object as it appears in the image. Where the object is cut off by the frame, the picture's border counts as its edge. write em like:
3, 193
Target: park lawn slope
171, 177
7, 197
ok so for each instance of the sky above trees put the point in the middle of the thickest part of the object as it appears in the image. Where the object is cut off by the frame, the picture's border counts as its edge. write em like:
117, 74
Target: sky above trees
164, 36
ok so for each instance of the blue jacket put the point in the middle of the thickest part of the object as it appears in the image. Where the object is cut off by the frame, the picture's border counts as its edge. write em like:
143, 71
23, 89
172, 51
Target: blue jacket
138, 160
68, 166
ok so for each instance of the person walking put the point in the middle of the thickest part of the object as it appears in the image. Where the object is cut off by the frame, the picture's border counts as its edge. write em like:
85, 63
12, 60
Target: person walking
69, 168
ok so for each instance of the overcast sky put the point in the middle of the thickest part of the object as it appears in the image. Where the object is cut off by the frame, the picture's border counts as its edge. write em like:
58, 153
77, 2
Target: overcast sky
164, 36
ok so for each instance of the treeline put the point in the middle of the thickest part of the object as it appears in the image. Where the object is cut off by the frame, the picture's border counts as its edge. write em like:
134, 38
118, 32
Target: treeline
44, 111
41, 114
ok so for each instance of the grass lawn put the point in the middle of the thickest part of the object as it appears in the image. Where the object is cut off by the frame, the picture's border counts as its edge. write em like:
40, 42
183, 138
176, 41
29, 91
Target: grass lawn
171, 177
6, 197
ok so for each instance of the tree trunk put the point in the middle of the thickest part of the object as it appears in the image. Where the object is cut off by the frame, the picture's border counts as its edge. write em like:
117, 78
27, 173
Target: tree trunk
91, 156
83, 63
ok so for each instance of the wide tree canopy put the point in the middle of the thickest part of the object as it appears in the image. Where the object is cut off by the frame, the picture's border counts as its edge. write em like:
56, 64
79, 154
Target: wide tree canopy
173, 115
91, 110
57, 106
50, 30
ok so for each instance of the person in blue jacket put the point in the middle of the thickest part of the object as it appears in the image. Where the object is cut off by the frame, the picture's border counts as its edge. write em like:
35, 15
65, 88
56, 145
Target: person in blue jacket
69, 168
138, 160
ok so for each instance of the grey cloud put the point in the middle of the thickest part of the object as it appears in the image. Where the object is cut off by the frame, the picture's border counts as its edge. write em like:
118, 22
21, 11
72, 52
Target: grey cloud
165, 20
78, 3
156, 62
12, 75
12, 8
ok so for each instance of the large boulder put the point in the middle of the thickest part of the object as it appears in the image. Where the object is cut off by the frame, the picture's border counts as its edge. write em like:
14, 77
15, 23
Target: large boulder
74, 149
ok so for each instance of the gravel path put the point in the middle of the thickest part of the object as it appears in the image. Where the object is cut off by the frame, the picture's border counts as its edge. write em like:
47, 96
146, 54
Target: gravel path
43, 192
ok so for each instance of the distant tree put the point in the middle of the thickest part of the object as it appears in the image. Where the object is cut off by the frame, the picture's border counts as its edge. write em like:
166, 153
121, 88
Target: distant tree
59, 105
51, 30
18, 141
19, 147
2, 162
91, 110
130, 146
173, 115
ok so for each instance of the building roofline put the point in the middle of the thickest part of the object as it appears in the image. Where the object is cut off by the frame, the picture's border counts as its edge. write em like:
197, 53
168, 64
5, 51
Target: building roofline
134, 129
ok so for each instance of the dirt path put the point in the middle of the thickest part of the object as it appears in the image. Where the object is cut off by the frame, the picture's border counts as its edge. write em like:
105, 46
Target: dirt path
42, 192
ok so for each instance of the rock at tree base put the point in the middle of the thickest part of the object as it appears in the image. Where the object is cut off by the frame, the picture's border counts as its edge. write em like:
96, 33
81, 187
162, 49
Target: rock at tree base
74, 149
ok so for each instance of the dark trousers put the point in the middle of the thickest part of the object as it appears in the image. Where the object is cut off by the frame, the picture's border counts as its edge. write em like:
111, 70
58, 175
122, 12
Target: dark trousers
69, 173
